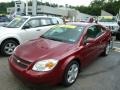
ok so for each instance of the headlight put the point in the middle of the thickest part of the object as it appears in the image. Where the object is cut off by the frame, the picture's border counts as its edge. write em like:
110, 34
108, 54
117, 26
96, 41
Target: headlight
45, 65
115, 28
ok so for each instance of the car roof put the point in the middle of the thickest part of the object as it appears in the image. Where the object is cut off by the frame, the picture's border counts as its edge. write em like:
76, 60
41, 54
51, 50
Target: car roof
37, 17
80, 23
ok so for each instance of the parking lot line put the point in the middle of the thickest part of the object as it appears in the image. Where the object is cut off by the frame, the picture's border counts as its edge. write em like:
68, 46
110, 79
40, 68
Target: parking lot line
116, 49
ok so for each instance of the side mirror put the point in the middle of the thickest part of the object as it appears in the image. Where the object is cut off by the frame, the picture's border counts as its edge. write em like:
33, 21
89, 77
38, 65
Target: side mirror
26, 27
90, 40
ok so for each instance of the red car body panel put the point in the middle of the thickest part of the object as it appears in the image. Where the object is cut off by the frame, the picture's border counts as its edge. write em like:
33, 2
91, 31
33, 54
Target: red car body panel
32, 77
42, 49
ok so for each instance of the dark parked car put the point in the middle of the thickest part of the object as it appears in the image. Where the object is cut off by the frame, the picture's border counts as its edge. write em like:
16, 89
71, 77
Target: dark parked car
4, 20
60, 53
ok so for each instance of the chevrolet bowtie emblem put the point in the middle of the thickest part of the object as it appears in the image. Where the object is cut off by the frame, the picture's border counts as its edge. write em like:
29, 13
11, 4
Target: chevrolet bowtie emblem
18, 61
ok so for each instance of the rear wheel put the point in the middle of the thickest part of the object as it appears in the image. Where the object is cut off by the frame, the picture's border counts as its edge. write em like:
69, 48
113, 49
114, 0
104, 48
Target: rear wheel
107, 49
118, 36
71, 73
7, 47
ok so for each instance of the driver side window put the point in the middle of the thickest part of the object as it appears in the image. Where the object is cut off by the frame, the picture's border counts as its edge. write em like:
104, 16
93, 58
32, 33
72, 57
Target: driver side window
93, 32
33, 23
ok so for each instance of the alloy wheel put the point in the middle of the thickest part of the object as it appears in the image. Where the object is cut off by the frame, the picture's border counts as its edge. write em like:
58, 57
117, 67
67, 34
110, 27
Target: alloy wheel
9, 48
72, 73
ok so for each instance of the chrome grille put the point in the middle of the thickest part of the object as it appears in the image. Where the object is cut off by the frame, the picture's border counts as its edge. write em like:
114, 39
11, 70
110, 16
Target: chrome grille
20, 62
111, 27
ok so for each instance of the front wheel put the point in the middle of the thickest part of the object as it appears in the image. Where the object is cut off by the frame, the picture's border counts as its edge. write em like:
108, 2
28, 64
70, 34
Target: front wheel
71, 73
8, 47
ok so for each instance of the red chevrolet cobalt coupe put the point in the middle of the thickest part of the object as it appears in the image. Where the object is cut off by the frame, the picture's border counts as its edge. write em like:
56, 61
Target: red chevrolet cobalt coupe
60, 53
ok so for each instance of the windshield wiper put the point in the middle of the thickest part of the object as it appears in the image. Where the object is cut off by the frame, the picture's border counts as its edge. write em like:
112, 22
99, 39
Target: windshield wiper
44, 37
51, 38
56, 39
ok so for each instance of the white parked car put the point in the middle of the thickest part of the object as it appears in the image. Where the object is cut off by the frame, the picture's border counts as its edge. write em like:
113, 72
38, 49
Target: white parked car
110, 22
22, 29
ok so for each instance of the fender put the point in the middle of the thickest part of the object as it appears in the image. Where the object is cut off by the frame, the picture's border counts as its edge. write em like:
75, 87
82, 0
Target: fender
68, 60
8, 35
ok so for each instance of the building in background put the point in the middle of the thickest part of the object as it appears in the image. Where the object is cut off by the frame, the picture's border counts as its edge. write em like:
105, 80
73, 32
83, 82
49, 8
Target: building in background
70, 14
19, 7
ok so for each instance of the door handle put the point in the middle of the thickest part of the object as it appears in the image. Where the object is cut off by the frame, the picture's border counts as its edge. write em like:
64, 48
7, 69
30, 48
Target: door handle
38, 29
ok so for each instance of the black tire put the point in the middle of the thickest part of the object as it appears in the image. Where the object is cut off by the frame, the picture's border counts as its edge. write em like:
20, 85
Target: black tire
4, 44
118, 36
65, 81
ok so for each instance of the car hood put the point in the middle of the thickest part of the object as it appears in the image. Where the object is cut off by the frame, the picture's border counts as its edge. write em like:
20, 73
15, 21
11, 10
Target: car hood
108, 23
41, 49
5, 30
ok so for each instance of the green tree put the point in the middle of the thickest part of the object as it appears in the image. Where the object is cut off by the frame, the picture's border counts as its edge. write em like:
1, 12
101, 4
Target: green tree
95, 7
4, 6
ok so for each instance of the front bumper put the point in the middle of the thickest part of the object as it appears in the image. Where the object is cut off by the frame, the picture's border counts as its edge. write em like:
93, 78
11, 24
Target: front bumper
31, 77
114, 32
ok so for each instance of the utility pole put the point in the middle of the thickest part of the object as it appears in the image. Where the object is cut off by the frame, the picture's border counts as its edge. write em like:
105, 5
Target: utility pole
118, 15
26, 7
34, 7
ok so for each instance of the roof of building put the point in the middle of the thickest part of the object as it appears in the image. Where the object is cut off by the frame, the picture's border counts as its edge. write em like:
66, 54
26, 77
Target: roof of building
37, 16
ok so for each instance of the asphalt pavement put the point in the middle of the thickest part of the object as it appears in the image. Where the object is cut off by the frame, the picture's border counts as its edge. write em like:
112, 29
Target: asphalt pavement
102, 74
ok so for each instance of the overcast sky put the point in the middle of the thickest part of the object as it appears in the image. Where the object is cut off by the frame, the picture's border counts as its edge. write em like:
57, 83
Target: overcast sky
61, 2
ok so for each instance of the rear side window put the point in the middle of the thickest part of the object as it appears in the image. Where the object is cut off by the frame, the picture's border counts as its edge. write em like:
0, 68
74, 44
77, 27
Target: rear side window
34, 23
45, 22
54, 21
94, 32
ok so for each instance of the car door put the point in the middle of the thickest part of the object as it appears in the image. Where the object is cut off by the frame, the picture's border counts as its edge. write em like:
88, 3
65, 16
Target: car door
34, 28
101, 37
30, 30
90, 50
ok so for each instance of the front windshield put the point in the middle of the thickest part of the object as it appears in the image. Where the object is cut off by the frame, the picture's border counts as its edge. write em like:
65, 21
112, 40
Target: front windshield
107, 19
64, 33
17, 22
